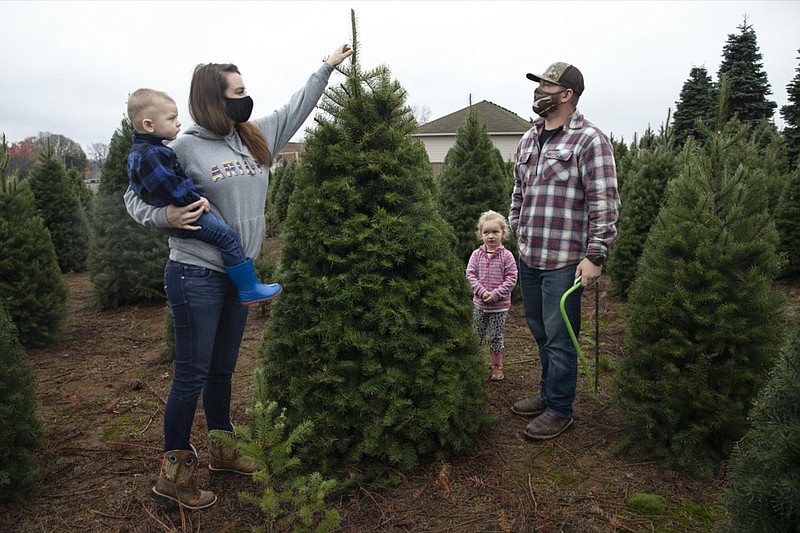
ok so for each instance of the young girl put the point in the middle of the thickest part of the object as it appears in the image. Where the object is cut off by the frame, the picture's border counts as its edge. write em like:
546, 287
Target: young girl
492, 272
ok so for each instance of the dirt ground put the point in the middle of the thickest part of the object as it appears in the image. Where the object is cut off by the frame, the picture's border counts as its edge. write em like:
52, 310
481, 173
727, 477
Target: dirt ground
101, 392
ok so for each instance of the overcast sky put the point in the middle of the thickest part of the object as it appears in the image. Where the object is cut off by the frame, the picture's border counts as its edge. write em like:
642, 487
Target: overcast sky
67, 67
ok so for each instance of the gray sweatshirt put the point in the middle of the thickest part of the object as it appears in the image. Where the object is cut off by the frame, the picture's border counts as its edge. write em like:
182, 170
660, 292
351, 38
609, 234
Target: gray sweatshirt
226, 174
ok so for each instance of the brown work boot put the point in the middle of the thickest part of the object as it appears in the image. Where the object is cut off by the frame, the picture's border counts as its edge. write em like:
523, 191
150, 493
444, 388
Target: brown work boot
546, 426
175, 484
225, 456
533, 406
497, 374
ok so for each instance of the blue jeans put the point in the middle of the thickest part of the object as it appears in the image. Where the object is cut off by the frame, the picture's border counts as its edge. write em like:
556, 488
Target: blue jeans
213, 230
541, 298
209, 325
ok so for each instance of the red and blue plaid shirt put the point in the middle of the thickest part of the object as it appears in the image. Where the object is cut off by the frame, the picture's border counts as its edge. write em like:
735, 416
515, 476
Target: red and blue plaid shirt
565, 202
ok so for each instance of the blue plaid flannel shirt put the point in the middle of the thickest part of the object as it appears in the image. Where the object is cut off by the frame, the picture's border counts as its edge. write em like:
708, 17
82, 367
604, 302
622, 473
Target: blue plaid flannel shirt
155, 174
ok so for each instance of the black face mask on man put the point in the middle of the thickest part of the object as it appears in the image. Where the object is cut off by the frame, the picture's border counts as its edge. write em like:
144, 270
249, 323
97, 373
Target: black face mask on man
239, 109
544, 102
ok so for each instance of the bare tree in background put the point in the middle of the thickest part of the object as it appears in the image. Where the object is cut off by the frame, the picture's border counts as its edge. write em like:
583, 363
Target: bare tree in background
422, 113
98, 152
66, 150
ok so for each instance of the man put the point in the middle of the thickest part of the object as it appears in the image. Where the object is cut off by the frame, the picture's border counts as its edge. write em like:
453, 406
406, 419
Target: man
564, 210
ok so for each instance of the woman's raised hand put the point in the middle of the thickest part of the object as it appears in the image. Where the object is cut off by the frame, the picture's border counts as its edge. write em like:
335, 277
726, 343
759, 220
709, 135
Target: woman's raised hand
340, 54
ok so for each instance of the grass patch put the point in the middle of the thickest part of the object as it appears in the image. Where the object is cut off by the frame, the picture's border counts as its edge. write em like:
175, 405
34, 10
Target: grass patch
646, 504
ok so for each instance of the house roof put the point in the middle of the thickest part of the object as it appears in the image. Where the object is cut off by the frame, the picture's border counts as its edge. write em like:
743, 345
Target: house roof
496, 119
292, 147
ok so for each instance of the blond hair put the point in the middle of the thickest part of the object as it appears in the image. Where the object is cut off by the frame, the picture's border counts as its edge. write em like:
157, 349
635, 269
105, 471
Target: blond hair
493, 216
143, 102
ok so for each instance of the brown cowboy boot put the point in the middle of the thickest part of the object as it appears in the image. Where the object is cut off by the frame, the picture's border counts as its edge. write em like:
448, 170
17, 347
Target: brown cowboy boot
546, 426
225, 457
175, 484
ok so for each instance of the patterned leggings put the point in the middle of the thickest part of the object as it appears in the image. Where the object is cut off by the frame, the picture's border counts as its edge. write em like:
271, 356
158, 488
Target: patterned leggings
495, 323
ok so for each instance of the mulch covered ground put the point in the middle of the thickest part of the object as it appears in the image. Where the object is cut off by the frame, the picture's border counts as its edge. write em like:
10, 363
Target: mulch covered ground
101, 392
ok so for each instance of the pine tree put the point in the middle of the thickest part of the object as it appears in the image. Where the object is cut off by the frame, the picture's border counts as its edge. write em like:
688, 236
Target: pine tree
299, 505
280, 191
621, 157
372, 340
32, 288
696, 103
474, 179
624, 160
59, 207
648, 173
126, 260
791, 114
764, 491
749, 87
83, 192
702, 319
21, 432
766, 152
787, 221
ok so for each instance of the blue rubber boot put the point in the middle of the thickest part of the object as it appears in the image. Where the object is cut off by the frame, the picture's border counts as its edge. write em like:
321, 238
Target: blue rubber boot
250, 290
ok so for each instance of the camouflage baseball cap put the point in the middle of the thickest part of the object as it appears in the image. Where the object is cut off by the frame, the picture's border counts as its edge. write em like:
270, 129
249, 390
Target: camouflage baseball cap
562, 74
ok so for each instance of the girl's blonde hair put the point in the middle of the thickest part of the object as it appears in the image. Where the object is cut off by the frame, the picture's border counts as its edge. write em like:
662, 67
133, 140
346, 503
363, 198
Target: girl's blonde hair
493, 216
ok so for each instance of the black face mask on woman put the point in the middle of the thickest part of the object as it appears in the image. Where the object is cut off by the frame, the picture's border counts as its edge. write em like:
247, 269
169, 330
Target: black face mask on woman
239, 109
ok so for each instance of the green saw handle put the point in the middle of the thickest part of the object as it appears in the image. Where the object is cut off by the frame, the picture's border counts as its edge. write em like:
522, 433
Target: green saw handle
589, 378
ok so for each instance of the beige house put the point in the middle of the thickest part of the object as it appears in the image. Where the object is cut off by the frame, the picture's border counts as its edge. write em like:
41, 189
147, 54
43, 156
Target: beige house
505, 128
291, 152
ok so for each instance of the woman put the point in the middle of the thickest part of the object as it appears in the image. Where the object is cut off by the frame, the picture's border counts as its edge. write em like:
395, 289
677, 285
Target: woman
228, 157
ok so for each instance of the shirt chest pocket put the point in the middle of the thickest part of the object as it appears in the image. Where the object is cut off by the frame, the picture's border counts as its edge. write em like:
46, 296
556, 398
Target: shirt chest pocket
526, 167
558, 164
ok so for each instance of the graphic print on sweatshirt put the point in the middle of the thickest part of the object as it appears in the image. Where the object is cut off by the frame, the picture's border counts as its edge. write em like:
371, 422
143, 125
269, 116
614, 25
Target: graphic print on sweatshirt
234, 168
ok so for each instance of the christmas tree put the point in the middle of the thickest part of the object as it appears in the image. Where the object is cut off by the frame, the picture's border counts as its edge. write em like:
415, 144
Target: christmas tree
787, 220
764, 491
648, 171
749, 87
474, 179
21, 433
791, 114
702, 318
696, 103
32, 288
372, 339
126, 260
59, 206
281, 186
